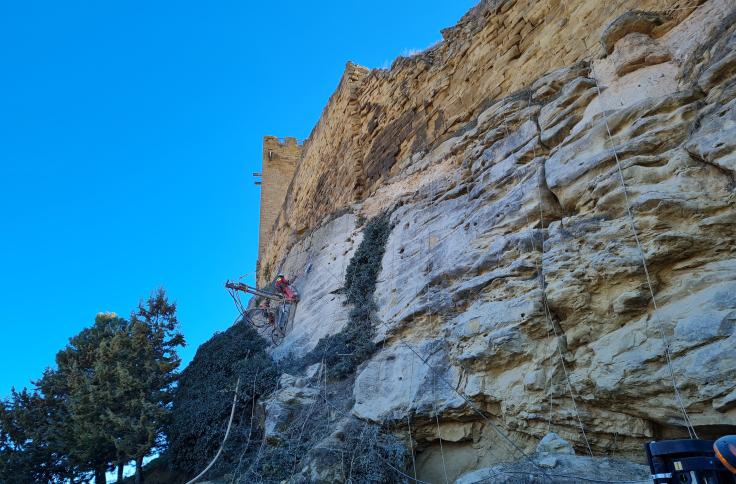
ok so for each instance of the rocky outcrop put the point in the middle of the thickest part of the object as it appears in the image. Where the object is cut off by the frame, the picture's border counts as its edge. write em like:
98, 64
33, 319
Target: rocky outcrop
512, 281
560, 469
378, 120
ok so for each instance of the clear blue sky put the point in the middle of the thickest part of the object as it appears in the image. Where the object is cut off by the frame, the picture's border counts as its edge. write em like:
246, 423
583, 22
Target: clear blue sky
128, 134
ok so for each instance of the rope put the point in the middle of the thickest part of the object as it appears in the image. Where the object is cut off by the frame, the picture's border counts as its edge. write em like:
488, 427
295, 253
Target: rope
655, 313
545, 302
408, 420
250, 427
547, 312
227, 433
439, 434
532, 248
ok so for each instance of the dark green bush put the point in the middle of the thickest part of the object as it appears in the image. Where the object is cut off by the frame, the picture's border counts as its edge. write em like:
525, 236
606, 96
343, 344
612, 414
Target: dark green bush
344, 351
203, 400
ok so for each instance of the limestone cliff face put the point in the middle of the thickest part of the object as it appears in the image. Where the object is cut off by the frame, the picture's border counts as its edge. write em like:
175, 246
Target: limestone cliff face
498, 153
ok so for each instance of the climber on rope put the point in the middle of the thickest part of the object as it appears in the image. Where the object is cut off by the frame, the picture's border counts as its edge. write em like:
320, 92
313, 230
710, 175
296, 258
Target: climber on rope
282, 285
273, 305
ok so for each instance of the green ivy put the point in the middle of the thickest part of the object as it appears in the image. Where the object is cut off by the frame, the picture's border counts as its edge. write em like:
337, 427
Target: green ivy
344, 351
203, 399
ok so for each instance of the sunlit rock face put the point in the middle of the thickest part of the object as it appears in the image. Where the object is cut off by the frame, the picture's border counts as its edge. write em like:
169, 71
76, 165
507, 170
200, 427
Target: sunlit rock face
524, 202
316, 266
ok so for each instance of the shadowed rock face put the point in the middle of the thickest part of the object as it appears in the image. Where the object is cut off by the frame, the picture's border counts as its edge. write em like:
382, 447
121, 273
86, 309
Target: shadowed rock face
532, 187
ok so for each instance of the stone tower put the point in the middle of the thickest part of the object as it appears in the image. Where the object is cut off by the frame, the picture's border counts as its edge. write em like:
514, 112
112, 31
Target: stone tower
280, 157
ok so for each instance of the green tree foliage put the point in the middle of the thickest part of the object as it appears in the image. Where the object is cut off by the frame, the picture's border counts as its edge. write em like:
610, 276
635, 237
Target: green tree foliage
77, 380
155, 337
202, 400
105, 404
32, 439
344, 351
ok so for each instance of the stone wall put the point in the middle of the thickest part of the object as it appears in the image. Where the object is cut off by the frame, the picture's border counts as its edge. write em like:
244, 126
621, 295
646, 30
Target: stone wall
280, 158
377, 120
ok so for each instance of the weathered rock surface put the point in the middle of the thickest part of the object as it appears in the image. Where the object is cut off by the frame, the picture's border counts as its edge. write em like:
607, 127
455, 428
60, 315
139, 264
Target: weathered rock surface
512, 280
559, 469
316, 266
285, 404
554, 444
379, 119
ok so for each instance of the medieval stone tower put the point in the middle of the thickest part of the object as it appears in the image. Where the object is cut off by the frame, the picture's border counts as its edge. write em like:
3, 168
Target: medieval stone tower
280, 157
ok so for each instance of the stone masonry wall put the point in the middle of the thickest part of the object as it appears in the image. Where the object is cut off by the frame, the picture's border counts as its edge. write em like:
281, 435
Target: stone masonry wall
280, 159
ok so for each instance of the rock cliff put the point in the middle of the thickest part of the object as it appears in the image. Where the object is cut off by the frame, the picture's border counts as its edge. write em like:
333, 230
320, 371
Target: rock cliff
561, 183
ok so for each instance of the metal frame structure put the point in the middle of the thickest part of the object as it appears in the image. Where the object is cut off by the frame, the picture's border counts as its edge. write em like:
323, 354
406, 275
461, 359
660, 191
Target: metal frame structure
260, 317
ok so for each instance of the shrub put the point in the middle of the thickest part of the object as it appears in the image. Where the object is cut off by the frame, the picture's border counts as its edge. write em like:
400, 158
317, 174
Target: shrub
203, 399
362, 454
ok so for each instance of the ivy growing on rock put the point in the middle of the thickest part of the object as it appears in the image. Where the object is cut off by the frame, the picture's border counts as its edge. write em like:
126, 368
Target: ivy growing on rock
203, 399
344, 351
201, 408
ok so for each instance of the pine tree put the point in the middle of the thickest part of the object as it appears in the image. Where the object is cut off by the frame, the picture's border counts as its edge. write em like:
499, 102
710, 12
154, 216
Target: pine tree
107, 403
89, 403
32, 438
155, 336
134, 374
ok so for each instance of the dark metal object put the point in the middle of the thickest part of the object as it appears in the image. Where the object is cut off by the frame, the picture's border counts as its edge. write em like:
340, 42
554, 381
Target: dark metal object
239, 286
265, 315
686, 461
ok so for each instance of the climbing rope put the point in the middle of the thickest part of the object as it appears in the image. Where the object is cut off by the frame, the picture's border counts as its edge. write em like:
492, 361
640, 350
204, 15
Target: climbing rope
434, 389
250, 428
543, 287
632, 223
408, 418
532, 247
540, 271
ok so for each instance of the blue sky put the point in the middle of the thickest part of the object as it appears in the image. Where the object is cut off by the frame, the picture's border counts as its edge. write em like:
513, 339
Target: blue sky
128, 135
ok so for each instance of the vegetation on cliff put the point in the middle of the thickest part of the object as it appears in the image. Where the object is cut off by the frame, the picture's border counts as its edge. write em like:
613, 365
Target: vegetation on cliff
202, 400
344, 351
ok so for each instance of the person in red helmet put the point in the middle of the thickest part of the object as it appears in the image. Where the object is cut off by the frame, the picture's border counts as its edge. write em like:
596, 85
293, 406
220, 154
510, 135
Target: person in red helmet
725, 449
283, 287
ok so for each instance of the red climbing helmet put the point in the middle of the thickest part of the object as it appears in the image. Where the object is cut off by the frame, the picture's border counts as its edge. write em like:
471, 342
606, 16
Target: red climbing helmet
725, 449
